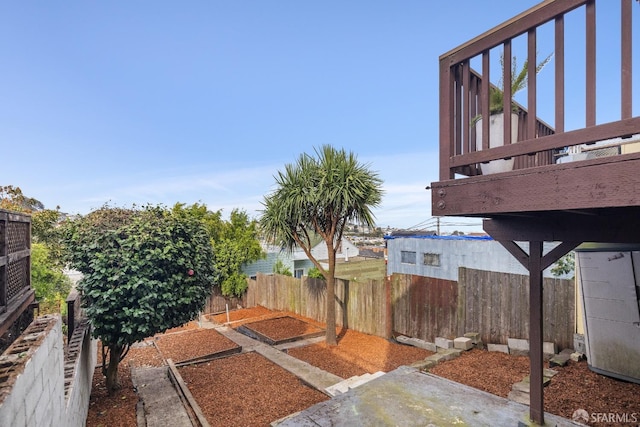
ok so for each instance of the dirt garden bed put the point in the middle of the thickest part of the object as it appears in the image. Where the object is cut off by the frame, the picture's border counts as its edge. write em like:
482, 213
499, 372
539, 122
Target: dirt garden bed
281, 330
247, 390
227, 388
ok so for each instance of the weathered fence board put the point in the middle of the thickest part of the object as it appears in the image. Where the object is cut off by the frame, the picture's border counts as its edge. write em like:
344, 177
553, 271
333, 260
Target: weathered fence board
216, 303
496, 305
424, 307
359, 305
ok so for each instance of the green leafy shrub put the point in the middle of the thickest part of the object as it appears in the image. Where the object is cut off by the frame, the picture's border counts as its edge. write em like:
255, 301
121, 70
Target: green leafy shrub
48, 280
314, 273
280, 268
145, 271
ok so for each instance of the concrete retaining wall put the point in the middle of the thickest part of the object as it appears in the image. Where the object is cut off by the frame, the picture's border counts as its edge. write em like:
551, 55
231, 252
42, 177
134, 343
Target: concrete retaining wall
33, 389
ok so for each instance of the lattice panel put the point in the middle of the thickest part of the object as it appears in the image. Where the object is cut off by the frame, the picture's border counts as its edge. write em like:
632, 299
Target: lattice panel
17, 275
18, 233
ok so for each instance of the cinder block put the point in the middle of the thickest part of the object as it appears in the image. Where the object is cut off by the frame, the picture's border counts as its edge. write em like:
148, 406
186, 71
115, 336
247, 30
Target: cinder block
32, 398
444, 343
549, 349
578, 343
19, 417
44, 412
559, 360
416, 343
474, 336
463, 343
576, 357
522, 386
519, 397
437, 358
449, 354
502, 348
9, 410
518, 347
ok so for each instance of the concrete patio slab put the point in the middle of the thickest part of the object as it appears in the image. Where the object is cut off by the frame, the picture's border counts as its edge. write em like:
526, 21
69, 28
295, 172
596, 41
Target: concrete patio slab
408, 397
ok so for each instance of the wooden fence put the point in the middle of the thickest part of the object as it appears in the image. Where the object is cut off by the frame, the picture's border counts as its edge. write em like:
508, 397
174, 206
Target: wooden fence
360, 305
216, 303
496, 305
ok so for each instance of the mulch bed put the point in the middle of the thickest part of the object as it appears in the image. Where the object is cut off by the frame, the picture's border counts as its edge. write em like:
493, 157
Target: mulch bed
192, 344
282, 329
574, 387
247, 390
358, 353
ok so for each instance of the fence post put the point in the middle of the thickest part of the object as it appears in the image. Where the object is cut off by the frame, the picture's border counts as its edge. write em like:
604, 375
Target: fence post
71, 313
388, 308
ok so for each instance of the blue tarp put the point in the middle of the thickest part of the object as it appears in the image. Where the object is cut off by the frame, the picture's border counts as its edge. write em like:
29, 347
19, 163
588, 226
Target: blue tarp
419, 236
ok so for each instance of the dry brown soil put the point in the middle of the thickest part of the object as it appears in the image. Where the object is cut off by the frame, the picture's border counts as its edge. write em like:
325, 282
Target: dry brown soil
247, 389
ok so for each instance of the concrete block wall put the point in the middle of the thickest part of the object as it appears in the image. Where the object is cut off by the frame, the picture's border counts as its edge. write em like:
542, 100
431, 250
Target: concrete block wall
32, 379
79, 365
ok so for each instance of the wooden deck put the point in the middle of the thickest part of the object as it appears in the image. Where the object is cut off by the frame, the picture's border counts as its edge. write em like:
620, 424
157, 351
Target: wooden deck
587, 186
558, 188
539, 181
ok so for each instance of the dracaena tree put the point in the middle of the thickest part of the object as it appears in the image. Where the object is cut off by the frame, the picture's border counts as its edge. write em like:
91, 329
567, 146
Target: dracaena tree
145, 270
319, 195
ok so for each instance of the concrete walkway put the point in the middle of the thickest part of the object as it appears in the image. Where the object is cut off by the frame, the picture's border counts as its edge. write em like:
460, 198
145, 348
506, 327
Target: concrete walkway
161, 404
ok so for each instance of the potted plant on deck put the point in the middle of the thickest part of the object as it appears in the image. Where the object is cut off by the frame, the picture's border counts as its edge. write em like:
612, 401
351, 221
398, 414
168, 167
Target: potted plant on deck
519, 81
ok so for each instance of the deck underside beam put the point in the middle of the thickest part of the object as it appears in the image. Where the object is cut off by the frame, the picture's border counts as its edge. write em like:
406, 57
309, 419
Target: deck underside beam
571, 229
590, 184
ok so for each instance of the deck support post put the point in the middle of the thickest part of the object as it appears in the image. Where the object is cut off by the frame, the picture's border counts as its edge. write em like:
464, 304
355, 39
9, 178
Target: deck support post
535, 262
536, 402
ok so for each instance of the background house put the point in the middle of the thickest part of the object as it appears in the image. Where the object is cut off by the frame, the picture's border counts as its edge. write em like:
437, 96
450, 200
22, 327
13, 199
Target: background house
440, 257
298, 262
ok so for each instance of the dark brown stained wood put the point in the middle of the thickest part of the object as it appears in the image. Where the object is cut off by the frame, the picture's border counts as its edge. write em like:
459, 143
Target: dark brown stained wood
559, 74
537, 15
474, 111
507, 95
608, 226
536, 405
467, 115
531, 83
484, 97
458, 109
446, 122
626, 66
593, 134
598, 183
591, 63
15, 267
538, 141
594, 200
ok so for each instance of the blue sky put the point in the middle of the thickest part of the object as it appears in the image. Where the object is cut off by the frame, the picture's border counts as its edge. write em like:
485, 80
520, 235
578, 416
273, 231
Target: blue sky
204, 101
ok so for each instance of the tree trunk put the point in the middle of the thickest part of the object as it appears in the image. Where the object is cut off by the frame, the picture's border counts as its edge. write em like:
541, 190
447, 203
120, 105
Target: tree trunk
112, 368
331, 338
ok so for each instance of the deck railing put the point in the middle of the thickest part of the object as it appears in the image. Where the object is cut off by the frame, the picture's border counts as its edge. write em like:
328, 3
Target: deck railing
464, 94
